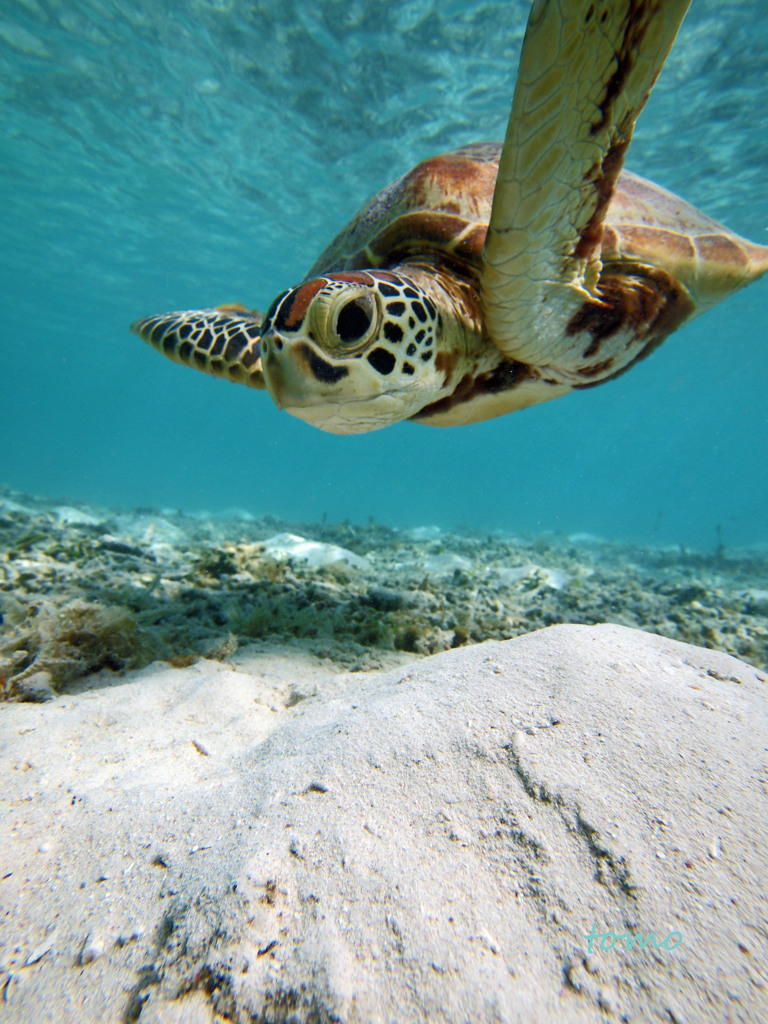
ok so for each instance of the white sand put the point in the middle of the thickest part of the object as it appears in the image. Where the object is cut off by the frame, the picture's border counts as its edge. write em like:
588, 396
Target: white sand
277, 841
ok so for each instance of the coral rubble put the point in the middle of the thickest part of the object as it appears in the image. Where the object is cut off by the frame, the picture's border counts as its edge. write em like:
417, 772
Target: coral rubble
84, 589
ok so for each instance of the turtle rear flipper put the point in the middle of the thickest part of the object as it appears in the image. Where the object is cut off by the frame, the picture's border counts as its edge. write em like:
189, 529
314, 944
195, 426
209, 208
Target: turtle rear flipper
586, 70
223, 342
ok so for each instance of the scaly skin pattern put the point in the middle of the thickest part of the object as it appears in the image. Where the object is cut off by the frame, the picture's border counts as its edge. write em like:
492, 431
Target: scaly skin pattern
223, 342
498, 275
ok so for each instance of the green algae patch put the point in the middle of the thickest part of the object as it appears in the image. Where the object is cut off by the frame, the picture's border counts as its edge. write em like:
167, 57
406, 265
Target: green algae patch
67, 642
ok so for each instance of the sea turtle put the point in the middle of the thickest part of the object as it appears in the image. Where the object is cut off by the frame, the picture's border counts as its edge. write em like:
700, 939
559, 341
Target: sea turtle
498, 275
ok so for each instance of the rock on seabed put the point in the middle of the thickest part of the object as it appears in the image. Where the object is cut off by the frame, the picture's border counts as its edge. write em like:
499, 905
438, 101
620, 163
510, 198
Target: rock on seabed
432, 843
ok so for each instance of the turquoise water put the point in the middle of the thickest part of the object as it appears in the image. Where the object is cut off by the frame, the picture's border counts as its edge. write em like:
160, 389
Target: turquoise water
158, 156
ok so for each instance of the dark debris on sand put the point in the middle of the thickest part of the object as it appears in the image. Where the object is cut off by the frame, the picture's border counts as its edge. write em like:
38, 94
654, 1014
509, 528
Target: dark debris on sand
84, 589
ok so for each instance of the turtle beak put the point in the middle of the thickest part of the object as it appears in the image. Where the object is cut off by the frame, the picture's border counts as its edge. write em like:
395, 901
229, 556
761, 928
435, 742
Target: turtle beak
272, 361
296, 375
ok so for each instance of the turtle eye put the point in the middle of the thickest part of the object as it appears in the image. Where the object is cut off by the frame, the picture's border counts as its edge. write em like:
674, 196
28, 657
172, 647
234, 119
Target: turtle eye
354, 319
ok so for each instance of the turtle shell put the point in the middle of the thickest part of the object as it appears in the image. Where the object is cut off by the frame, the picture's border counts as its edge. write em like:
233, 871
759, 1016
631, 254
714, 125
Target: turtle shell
439, 212
440, 209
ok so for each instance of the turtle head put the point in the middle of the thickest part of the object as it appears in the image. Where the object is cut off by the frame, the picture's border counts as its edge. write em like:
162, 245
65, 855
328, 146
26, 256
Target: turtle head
352, 352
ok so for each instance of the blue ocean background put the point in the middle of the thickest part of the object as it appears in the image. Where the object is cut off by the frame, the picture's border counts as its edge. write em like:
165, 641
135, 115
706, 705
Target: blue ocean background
165, 155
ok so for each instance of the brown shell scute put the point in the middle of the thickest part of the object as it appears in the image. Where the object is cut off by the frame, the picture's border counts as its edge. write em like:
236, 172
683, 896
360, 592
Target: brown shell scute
647, 223
441, 207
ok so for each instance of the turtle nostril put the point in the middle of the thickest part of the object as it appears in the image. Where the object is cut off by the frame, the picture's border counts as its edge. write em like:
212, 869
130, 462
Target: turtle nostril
271, 343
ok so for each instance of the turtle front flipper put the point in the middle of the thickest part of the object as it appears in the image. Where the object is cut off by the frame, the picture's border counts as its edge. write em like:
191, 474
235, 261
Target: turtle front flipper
586, 70
224, 342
